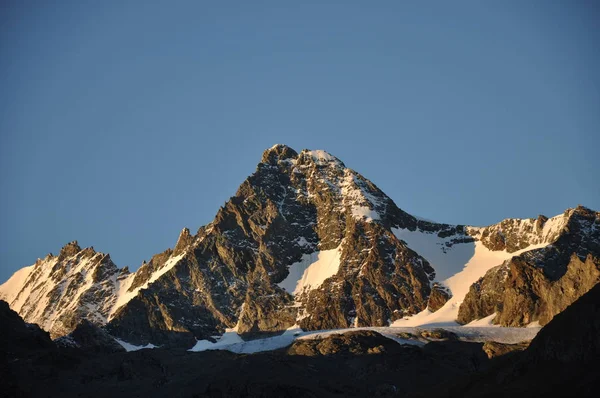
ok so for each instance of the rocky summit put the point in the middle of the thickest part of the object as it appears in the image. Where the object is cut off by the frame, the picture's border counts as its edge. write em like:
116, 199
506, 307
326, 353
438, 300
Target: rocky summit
307, 242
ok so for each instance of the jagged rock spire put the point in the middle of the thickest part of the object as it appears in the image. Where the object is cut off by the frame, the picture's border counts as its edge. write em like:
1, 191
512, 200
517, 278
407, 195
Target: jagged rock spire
185, 239
68, 250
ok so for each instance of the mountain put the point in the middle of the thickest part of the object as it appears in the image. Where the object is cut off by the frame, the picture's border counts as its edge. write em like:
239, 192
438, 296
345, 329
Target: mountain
308, 242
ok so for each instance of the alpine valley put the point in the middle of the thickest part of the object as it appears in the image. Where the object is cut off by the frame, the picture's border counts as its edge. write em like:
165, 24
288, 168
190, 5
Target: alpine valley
312, 258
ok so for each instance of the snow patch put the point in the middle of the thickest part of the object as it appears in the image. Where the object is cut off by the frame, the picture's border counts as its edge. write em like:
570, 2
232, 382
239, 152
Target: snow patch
231, 341
321, 157
301, 241
130, 347
365, 212
485, 322
356, 196
311, 271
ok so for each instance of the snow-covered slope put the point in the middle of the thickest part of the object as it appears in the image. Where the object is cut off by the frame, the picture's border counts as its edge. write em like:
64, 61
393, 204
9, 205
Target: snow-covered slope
481, 261
57, 289
459, 262
12, 290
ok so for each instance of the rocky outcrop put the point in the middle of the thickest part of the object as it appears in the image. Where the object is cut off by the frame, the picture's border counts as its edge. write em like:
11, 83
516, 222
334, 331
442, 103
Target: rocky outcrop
485, 296
494, 349
438, 334
362, 342
438, 297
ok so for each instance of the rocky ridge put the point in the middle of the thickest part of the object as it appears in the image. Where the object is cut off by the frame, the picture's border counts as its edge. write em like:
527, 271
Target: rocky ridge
540, 283
57, 291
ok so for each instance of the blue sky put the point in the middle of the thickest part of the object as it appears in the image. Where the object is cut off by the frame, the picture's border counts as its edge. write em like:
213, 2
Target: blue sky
122, 122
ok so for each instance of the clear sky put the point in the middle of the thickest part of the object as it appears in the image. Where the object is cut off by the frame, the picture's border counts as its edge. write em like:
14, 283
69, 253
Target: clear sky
122, 122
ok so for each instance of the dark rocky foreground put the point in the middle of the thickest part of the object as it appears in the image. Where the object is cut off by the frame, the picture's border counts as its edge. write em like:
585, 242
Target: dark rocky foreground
561, 361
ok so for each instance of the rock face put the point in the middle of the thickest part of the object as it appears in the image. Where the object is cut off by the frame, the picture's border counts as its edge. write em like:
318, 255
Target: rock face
539, 284
307, 241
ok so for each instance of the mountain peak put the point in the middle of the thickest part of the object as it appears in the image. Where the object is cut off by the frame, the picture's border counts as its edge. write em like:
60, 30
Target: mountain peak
582, 210
278, 152
281, 152
184, 240
69, 250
